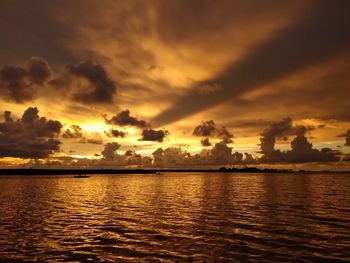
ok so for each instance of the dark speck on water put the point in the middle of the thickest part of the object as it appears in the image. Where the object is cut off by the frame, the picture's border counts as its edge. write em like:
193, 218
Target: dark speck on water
219, 217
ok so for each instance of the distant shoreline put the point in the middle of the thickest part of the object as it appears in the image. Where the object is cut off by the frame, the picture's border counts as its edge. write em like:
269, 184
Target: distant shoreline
151, 171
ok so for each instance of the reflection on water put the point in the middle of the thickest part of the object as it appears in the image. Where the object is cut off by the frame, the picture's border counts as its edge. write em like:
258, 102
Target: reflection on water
176, 217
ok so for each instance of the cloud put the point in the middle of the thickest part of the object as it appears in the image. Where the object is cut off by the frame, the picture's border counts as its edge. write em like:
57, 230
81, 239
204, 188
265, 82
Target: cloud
302, 150
219, 154
346, 158
85, 82
109, 151
34, 28
124, 118
319, 36
76, 132
206, 142
115, 133
97, 88
153, 135
209, 129
275, 130
19, 84
73, 132
281, 129
206, 129
347, 137
30, 136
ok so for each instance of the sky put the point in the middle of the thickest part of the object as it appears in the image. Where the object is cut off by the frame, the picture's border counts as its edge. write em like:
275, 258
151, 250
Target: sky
183, 83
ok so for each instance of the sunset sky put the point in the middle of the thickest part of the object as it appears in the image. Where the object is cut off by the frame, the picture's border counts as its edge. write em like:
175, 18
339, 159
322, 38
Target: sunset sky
178, 83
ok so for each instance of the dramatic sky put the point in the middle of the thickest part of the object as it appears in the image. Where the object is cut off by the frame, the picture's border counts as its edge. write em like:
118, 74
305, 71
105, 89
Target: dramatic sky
175, 83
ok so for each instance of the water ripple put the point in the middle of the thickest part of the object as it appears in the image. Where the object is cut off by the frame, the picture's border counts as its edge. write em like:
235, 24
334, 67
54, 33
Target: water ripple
176, 218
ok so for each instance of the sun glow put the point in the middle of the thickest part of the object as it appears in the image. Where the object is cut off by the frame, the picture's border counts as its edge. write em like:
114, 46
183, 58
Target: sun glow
95, 127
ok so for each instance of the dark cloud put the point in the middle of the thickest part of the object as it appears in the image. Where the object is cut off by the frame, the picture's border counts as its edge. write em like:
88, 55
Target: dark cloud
319, 36
346, 158
100, 88
275, 130
347, 137
302, 150
153, 135
219, 154
30, 136
278, 130
124, 118
206, 129
209, 129
115, 133
28, 28
74, 131
19, 84
39, 70
206, 142
109, 151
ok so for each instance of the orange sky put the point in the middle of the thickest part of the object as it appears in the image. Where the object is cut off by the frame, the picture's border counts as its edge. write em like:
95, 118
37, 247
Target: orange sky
246, 65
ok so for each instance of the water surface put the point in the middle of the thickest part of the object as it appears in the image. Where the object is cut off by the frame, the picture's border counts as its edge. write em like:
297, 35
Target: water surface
176, 217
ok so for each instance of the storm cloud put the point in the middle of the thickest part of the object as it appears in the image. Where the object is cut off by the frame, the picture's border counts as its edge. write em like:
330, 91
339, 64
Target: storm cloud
115, 133
301, 149
278, 130
124, 118
73, 132
19, 84
210, 130
109, 151
153, 135
102, 88
31, 136
206, 142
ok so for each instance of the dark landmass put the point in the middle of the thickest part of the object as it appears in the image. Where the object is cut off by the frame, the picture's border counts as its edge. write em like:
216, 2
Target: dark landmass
150, 171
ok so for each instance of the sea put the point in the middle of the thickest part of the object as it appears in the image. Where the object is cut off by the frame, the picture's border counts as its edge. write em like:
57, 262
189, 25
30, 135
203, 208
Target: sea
176, 217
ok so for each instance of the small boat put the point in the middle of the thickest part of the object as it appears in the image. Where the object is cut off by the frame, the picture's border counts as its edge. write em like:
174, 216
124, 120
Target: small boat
81, 176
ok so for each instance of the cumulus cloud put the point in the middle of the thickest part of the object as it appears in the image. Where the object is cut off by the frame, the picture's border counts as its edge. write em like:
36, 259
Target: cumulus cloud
130, 158
109, 151
209, 129
18, 84
96, 86
153, 135
206, 142
85, 82
278, 130
115, 133
124, 118
219, 154
31, 136
302, 150
102, 88
74, 131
